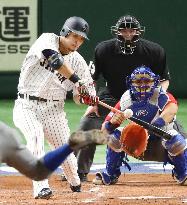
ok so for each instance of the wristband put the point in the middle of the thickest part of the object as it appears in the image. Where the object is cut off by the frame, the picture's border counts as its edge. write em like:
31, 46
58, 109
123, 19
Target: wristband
159, 122
74, 78
110, 127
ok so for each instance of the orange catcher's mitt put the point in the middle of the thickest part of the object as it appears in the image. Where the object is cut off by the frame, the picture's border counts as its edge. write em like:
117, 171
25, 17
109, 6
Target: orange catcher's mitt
134, 139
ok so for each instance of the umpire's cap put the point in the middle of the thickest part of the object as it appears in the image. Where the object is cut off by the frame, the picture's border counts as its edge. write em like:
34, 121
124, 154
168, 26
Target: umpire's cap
76, 25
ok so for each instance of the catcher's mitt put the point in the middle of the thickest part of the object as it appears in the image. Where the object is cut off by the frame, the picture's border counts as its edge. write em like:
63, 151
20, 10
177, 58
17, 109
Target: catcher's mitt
134, 139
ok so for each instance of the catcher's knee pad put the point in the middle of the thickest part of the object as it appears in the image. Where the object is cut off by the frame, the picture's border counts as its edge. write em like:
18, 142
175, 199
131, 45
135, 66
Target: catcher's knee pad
104, 178
176, 145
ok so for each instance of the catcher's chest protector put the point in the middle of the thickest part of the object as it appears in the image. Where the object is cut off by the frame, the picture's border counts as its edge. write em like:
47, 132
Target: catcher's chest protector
145, 111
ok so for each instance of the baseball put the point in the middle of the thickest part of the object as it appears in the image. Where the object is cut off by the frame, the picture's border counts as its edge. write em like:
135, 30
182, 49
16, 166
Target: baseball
128, 113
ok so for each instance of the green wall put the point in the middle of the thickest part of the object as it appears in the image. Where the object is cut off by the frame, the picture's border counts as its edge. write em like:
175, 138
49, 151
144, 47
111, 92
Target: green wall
165, 22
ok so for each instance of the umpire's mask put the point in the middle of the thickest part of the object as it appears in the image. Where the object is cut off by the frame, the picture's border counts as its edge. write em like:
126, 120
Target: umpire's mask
127, 22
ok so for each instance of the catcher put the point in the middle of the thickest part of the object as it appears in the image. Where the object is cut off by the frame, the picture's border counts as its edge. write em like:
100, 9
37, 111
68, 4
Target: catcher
146, 98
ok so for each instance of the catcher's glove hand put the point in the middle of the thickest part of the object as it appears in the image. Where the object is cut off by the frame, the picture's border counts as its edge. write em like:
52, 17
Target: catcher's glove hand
134, 139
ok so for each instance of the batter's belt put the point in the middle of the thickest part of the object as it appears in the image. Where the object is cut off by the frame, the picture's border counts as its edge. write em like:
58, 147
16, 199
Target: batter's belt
30, 97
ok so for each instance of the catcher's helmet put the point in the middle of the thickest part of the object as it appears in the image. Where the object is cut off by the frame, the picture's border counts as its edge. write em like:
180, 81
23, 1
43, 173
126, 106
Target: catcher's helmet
142, 83
127, 21
76, 25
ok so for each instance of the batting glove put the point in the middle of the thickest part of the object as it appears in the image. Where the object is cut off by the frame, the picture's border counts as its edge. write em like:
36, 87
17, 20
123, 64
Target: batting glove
89, 100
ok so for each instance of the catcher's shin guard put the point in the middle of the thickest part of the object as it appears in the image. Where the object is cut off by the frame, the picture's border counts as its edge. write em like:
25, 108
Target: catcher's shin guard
177, 156
180, 167
114, 161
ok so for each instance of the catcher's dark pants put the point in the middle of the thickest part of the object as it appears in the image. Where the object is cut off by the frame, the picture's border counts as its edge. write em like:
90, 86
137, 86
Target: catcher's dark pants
154, 152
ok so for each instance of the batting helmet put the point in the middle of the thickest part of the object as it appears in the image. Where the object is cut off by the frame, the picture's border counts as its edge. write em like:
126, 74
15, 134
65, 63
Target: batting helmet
76, 25
142, 83
127, 21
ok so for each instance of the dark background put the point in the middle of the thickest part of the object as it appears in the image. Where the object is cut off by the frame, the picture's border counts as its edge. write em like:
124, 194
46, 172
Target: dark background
165, 23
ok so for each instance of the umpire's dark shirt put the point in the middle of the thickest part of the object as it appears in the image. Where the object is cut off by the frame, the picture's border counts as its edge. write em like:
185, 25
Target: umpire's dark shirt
114, 66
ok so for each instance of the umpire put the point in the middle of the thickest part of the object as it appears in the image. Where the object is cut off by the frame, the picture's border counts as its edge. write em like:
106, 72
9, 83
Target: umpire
114, 60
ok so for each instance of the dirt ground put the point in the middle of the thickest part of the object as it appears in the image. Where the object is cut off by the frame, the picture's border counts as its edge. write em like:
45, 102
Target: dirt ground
131, 189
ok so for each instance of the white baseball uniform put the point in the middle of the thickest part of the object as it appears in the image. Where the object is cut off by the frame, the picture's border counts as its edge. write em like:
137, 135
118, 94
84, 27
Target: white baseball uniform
46, 119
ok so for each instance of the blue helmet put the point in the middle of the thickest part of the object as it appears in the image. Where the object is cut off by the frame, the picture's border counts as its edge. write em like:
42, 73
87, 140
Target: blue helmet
142, 83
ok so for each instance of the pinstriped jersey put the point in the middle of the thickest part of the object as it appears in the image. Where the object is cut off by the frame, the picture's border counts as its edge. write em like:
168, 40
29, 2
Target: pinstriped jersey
38, 79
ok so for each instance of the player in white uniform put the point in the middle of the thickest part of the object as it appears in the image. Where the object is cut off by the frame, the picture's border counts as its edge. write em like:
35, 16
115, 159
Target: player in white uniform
51, 68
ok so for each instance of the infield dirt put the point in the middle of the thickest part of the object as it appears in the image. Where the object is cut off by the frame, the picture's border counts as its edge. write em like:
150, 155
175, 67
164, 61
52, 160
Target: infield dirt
131, 189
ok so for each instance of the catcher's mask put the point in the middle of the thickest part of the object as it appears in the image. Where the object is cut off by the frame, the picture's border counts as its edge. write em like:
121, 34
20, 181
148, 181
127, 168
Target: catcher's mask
76, 25
127, 22
142, 83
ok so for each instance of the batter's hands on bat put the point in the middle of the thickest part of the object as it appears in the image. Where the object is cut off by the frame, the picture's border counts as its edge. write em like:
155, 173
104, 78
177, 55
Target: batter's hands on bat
82, 87
89, 100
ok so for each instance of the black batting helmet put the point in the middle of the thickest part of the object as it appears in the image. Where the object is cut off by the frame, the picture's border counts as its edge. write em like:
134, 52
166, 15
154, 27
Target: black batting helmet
127, 21
76, 25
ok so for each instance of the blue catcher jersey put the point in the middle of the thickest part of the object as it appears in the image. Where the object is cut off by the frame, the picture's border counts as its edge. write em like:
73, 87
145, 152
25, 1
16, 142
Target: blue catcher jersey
149, 110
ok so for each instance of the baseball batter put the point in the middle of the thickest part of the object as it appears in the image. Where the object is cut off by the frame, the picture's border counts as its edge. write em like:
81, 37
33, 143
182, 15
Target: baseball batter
51, 68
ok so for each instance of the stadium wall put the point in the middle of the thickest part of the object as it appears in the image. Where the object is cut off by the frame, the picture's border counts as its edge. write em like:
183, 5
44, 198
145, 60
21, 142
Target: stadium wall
164, 21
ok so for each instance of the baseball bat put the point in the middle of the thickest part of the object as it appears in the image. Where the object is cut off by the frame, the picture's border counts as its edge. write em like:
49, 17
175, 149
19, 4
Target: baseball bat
151, 128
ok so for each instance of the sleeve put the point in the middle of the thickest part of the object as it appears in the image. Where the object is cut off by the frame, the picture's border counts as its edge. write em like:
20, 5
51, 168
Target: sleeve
162, 65
97, 63
98, 76
172, 98
82, 70
164, 99
109, 116
125, 101
45, 41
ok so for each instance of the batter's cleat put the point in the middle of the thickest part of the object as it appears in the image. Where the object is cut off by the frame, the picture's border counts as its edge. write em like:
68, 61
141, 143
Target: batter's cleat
45, 193
75, 188
104, 179
83, 177
81, 139
180, 167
